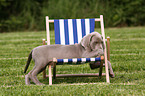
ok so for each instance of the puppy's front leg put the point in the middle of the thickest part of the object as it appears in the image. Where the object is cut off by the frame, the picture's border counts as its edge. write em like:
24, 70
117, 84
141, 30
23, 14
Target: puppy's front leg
111, 73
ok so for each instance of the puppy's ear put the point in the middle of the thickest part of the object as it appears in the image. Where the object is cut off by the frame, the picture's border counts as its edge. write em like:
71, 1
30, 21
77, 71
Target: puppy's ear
85, 42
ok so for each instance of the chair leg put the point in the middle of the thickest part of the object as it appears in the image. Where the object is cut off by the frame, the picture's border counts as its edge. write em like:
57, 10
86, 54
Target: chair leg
111, 74
50, 76
107, 72
101, 67
44, 74
105, 52
108, 48
54, 71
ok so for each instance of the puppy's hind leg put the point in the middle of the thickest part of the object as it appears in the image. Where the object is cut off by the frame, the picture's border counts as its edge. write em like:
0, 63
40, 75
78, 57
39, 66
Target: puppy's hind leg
36, 70
27, 79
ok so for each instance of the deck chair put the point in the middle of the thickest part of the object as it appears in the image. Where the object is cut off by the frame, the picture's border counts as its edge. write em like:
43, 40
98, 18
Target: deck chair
71, 31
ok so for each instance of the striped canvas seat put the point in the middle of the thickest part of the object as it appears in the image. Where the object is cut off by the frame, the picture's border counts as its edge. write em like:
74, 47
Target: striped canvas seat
71, 31
78, 60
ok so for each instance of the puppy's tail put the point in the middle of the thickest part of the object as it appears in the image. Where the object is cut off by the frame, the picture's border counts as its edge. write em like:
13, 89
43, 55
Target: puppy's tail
28, 61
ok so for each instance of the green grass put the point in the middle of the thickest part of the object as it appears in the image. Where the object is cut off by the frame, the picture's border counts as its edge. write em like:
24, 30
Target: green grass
127, 58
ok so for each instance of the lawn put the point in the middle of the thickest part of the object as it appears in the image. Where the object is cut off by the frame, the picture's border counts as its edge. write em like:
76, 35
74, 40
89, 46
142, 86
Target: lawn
127, 58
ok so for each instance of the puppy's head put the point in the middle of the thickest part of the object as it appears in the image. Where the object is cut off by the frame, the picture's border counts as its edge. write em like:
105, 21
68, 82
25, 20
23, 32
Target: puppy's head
92, 42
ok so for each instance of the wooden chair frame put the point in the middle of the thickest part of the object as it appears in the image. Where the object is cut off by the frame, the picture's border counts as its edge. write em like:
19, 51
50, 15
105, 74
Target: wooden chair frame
106, 54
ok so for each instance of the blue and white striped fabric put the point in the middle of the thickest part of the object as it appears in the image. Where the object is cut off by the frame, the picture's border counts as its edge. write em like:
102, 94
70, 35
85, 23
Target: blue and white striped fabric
78, 60
71, 31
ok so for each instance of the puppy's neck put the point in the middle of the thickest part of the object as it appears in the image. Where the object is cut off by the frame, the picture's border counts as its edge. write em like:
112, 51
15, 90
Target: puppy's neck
80, 47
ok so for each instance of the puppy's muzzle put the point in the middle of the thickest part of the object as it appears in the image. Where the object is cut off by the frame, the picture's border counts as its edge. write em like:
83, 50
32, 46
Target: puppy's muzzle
100, 52
94, 65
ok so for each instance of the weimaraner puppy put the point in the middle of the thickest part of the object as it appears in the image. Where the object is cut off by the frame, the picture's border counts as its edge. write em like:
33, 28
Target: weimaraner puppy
91, 45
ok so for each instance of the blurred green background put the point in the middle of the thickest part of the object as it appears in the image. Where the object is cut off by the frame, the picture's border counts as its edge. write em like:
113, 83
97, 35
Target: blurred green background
20, 15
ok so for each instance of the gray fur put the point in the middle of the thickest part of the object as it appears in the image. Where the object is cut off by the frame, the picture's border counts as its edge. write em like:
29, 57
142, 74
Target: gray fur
90, 46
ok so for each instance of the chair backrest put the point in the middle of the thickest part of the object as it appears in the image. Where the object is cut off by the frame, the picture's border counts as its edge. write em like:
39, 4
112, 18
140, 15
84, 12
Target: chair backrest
71, 31
72, 25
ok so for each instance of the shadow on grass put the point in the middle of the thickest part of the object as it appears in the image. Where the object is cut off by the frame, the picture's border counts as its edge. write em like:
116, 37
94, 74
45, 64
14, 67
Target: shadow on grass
71, 80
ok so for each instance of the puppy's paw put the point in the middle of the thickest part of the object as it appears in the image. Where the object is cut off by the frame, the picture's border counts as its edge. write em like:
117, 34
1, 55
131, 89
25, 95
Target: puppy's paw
94, 65
112, 75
